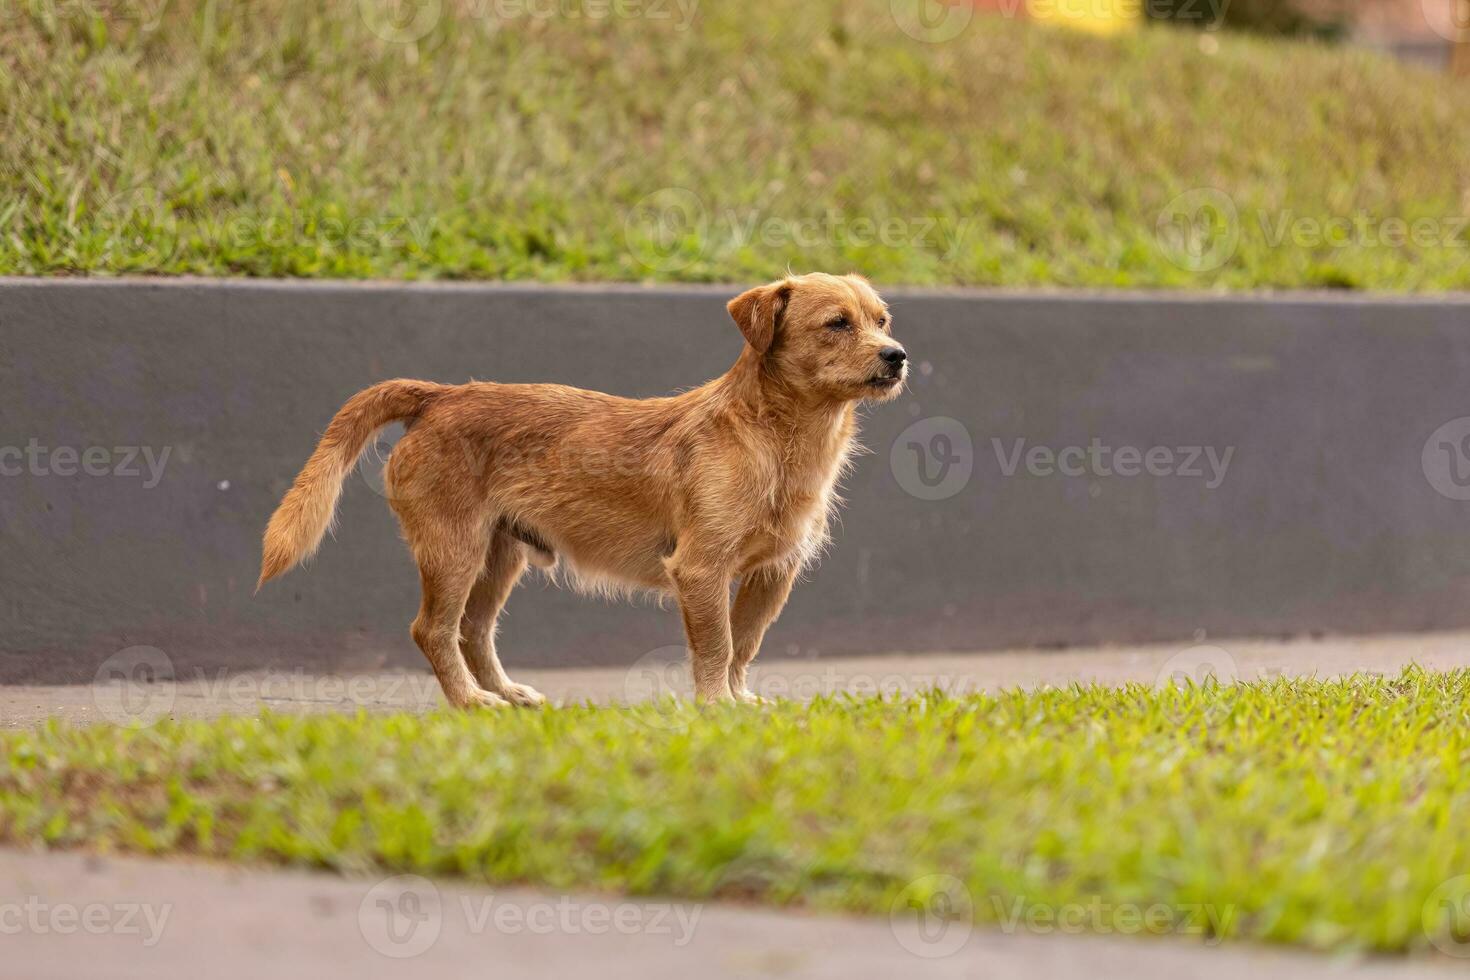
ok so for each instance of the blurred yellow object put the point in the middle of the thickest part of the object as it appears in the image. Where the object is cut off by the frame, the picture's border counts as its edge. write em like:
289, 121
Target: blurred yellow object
1093, 16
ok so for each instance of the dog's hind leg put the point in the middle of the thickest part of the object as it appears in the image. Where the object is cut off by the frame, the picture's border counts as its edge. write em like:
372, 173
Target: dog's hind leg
450, 558
505, 560
762, 594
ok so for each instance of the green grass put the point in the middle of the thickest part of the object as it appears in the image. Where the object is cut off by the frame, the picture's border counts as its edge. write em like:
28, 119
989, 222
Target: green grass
276, 138
1329, 814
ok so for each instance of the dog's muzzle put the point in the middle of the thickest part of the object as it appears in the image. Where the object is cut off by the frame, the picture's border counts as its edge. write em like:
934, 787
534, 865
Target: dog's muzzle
892, 372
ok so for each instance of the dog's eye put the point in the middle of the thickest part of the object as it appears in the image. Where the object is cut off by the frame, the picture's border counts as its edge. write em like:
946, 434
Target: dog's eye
838, 323
882, 321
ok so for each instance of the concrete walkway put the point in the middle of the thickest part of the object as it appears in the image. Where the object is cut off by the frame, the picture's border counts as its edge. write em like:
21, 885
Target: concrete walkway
69, 916
143, 691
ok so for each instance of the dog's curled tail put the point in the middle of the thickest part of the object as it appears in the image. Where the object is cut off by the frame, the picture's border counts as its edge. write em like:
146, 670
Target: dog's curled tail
297, 527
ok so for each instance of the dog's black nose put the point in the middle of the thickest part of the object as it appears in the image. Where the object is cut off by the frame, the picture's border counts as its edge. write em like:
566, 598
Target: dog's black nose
893, 355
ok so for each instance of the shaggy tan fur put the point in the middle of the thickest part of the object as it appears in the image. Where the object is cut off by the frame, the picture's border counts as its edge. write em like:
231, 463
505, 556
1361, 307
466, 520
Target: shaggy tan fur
684, 496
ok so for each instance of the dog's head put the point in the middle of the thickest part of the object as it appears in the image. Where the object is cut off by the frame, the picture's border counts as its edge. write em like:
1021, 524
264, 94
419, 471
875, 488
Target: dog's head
827, 335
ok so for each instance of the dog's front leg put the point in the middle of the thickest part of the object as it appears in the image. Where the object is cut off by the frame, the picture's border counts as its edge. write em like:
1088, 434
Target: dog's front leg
704, 600
762, 593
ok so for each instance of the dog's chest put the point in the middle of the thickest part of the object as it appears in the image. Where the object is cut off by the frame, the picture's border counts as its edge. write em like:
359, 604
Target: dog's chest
792, 521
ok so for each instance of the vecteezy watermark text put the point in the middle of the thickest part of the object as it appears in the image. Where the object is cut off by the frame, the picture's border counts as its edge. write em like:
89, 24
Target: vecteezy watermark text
34, 459
138, 686
147, 14
933, 916
1101, 460
1201, 230
151, 207
402, 916
1363, 230
39, 917
1124, 918
410, 21
672, 228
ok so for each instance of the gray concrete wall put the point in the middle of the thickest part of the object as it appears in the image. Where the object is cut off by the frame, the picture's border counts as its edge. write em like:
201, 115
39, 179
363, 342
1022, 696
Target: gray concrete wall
1339, 509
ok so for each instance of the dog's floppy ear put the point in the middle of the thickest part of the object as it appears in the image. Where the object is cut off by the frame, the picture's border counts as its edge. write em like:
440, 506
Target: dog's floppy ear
757, 311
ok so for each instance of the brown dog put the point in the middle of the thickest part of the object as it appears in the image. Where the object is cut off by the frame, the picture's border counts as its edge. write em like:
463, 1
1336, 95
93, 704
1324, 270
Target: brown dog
682, 495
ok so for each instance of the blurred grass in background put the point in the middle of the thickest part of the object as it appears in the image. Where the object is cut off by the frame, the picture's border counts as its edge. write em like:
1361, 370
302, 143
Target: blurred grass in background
715, 141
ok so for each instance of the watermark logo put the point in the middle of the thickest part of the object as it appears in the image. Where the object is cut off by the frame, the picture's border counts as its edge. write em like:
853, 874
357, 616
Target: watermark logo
1446, 459
933, 458
1197, 665
401, 917
933, 916
662, 677
1450, 19
401, 21
135, 687
932, 21
140, 213
1199, 230
667, 230
1446, 917
372, 465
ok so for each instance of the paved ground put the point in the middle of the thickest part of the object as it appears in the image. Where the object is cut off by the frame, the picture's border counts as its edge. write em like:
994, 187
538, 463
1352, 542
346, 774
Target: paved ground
142, 689
68, 916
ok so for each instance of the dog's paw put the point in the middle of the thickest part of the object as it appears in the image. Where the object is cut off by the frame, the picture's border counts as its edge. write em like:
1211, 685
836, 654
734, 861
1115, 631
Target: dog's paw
524, 695
478, 697
747, 697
